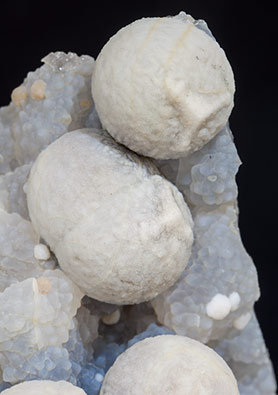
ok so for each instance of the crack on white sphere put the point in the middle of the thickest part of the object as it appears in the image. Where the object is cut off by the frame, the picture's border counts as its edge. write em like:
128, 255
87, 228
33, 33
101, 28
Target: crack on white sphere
173, 92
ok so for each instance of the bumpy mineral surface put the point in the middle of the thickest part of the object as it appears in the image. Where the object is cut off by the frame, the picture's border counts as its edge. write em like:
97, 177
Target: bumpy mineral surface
104, 226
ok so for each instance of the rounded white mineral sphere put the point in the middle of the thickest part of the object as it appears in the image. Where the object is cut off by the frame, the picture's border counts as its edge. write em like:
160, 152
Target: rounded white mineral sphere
169, 365
119, 230
163, 87
44, 387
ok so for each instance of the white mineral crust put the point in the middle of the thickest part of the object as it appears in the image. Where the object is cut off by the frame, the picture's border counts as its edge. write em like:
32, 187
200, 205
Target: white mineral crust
169, 364
44, 387
163, 87
121, 231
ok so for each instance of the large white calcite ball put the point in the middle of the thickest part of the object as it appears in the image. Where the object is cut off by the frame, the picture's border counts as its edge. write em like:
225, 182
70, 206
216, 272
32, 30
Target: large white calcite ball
169, 364
120, 231
44, 387
163, 87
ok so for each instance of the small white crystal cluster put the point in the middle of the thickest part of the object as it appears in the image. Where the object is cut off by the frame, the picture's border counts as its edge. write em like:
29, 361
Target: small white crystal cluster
110, 224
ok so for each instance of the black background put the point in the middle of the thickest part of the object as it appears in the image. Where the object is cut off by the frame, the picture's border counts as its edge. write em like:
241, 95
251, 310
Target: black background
29, 30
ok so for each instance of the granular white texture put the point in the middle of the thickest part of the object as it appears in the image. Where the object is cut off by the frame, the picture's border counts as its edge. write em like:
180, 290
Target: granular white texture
169, 364
58, 99
34, 315
219, 264
247, 356
44, 387
121, 231
163, 87
12, 195
17, 241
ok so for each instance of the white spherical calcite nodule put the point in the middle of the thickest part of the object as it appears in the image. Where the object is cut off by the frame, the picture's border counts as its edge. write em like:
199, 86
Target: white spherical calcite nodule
163, 87
169, 364
119, 230
44, 387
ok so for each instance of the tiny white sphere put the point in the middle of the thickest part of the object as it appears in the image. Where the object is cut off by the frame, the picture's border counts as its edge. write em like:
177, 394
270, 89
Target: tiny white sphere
99, 377
235, 300
219, 307
44, 387
111, 319
242, 321
169, 364
119, 230
41, 252
163, 87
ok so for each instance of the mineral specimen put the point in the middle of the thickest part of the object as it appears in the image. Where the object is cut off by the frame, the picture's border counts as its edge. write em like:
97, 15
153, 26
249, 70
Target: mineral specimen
117, 226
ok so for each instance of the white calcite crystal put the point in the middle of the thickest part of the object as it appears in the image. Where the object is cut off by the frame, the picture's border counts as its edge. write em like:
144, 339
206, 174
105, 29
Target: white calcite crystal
169, 364
117, 226
44, 387
163, 87
107, 194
